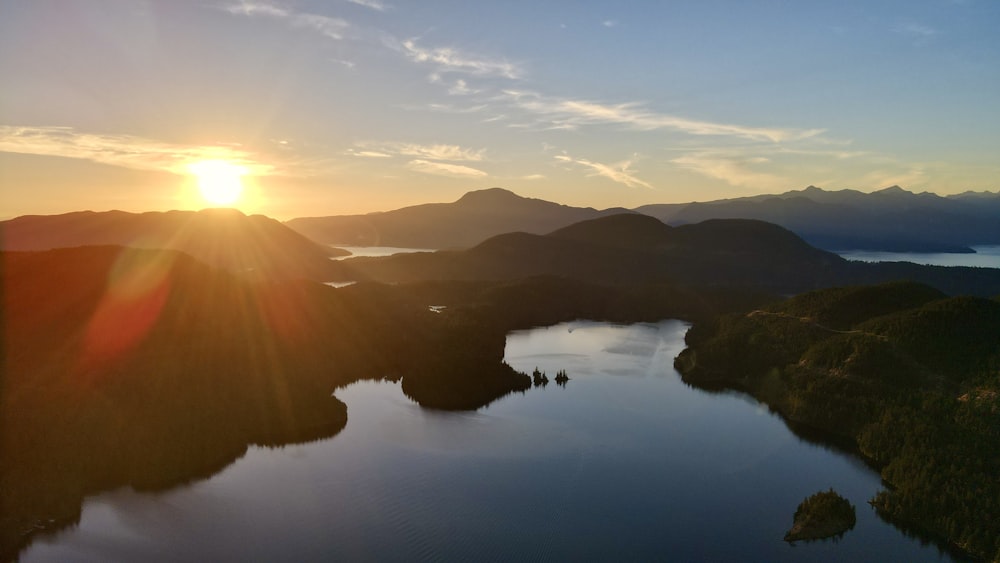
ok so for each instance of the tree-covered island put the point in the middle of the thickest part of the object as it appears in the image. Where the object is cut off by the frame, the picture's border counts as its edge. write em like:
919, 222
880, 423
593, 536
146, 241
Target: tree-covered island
822, 515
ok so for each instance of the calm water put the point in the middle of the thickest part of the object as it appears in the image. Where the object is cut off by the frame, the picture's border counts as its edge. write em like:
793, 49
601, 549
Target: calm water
985, 257
359, 251
624, 463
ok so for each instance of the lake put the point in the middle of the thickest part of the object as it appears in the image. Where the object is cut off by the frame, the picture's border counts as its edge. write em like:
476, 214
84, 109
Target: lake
376, 251
984, 257
625, 462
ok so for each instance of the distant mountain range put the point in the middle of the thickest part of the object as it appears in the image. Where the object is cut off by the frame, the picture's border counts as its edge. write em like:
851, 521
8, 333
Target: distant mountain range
638, 249
477, 216
253, 245
608, 246
892, 219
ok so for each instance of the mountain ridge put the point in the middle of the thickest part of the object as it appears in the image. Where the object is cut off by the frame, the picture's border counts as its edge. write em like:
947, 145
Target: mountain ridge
891, 219
631, 248
471, 219
253, 245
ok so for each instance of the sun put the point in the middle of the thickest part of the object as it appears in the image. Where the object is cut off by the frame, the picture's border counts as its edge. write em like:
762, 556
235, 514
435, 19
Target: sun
219, 181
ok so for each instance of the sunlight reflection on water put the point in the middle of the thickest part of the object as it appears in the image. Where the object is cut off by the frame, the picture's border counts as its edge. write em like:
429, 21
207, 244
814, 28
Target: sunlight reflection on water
625, 462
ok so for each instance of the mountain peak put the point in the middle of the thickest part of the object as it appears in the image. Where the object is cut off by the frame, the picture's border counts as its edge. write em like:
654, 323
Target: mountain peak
891, 190
489, 196
625, 229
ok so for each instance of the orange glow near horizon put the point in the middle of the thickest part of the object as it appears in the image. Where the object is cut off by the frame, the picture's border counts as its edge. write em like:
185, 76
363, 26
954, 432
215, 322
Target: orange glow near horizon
220, 182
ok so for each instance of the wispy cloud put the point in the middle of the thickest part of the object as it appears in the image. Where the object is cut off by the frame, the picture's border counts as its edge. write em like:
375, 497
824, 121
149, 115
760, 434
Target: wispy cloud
569, 113
348, 64
913, 29
461, 88
127, 151
734, 169
333, 28
373, 4
619, 172
444, 169
442, 152
609, 23
444, 108
368, 154
449, 59
431, 151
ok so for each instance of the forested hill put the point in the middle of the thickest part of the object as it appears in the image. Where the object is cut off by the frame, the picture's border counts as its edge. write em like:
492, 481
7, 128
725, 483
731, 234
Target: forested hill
911, 377
477, 216
633, 248
146, 368
254, 246
892, 219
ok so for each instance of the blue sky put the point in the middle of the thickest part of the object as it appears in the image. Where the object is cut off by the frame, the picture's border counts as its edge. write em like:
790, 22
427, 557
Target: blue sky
352, 106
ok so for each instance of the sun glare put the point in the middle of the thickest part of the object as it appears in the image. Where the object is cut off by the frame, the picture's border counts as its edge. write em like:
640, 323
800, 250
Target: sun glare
219, 181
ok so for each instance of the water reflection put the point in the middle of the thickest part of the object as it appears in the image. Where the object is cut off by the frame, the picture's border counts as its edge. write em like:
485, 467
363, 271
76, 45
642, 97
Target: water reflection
984, 257
374, 251
627, 463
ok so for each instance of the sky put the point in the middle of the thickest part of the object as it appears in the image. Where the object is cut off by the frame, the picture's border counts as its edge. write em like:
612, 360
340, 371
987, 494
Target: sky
351, 106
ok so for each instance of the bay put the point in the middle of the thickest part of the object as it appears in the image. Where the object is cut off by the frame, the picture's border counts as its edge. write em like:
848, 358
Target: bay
984, 257
375, 251
625, 462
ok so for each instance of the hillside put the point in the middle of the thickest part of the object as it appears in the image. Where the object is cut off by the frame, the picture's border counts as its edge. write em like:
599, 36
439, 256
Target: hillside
891, 219
633, 248
255, 245
904, 374
146, 368
475, 217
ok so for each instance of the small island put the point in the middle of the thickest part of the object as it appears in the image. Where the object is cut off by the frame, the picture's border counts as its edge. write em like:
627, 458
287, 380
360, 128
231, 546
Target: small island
822, 515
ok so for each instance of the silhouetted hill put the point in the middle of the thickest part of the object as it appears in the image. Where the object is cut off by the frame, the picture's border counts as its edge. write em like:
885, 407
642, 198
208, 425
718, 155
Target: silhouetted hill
891, 219
622, 231
250, 245
147, 368
475, 217
906, 375
632, 248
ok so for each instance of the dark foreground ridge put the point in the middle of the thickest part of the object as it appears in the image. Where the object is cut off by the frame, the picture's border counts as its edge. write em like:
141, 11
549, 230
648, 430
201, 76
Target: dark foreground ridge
900, 371
148, 369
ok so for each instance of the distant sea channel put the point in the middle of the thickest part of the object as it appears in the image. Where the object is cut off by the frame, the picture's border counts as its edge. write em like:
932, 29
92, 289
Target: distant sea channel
984, 257
376, 251
373, 252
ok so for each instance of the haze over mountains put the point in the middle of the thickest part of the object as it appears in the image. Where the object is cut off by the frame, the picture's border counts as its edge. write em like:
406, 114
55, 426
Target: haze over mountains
472, 219
892, 219
529, 237
252, 245
631, 248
